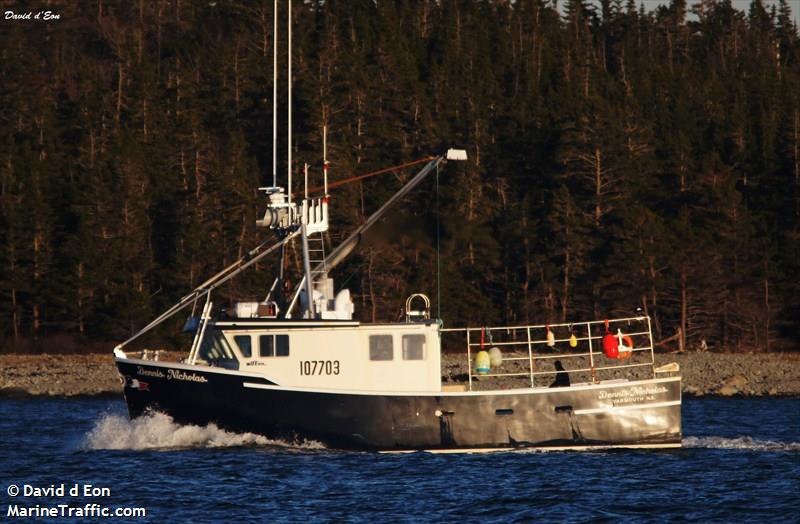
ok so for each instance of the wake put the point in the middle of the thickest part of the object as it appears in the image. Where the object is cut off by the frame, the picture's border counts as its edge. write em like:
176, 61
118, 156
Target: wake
743, 443
158, 431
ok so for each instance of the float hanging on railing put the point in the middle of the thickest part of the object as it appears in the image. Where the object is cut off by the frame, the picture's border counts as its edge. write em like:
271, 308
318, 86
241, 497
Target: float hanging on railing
625, 345
573, 341
617, 346
610, 344
482, 359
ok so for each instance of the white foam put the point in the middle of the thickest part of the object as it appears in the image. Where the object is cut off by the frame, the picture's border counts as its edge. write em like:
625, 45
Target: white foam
159, 431
744, 443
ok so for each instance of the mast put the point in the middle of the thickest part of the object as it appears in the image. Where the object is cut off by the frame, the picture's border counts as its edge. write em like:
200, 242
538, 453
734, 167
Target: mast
278, 285
275, 95
289, 126
325, 160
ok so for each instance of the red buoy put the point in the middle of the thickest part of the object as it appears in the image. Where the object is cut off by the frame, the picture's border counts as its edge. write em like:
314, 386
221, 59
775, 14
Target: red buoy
610, 344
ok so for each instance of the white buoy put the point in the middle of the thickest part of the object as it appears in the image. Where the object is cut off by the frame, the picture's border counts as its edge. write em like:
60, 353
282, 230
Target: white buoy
495, 357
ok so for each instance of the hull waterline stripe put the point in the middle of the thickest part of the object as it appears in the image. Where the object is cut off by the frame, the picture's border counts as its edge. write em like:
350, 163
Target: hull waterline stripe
612, 409
533, 449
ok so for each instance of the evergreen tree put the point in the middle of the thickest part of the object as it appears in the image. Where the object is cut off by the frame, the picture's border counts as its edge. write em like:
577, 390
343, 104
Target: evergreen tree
620, 157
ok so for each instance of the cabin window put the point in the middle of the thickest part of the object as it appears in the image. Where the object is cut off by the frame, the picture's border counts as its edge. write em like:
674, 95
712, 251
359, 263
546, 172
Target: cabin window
245, 345
274, 345
215, 347
266, 345
380, 347
413, 347
281, 345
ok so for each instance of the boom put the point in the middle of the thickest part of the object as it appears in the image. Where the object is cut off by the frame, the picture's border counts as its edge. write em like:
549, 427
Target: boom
349, 244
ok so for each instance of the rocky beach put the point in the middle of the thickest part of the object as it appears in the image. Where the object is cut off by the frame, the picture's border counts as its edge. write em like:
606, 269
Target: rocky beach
704, 373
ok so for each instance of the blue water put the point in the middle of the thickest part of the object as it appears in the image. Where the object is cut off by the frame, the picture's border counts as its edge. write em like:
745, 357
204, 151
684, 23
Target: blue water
740, 463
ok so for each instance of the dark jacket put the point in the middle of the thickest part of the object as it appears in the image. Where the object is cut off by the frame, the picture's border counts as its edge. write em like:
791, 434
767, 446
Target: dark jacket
562, 377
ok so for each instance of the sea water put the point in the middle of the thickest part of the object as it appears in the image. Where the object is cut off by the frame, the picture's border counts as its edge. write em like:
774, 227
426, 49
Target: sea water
740, 462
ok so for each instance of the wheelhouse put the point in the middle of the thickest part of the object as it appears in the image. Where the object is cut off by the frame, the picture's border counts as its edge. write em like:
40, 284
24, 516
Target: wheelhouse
401, 357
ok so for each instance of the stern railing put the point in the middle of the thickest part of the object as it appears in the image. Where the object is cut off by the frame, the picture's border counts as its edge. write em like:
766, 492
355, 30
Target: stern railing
530, 351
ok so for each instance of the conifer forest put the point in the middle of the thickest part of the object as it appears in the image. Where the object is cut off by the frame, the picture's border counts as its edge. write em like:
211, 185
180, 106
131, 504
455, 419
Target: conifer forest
622, 157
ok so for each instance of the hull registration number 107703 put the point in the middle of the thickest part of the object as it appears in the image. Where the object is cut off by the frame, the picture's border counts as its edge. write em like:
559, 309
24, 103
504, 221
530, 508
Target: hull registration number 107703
319, 367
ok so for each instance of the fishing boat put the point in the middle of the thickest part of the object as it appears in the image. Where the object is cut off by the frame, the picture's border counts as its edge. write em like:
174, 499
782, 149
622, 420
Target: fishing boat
301, 367
298, 365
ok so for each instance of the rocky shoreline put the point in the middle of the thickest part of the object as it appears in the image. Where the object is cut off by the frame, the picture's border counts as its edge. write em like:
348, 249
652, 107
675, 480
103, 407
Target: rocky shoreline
58, 375
722, 374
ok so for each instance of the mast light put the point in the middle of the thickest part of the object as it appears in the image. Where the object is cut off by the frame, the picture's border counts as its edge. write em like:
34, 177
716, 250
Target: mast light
456, 154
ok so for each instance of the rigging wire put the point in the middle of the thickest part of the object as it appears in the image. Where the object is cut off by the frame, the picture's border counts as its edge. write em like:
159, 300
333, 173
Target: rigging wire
338, 183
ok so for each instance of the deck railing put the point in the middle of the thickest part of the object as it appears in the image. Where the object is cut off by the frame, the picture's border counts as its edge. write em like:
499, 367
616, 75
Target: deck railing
527, 353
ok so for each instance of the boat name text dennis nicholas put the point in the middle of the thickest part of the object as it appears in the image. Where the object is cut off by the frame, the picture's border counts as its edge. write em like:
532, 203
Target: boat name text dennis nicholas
635, 394
171, 374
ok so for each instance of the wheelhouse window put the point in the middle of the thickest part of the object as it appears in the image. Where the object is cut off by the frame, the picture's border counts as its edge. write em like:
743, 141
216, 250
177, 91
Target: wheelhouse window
413, 347
381, 347
273, 345
245, 344
215, 348
281, 345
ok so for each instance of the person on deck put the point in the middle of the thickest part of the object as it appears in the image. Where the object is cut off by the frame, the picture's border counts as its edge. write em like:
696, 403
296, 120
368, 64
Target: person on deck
562, 377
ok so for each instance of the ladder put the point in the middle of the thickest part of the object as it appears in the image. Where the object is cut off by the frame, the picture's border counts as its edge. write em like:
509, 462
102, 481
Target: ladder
316, 258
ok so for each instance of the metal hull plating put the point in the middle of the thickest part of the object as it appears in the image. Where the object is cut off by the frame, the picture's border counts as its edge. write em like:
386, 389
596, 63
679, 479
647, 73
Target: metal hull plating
646, 412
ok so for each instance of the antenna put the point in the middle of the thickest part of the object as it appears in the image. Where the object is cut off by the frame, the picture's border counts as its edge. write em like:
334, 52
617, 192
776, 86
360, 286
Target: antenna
289, 127
325, 159
275, 96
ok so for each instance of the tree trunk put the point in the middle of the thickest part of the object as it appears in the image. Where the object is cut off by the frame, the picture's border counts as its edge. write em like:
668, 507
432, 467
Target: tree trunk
371, 287
598, 185
565, 290
119, 92
527, 282
37, 245
140, 46
236, 80
81, 326
684, 312
14, 304
796, 150
654, 292
767, 313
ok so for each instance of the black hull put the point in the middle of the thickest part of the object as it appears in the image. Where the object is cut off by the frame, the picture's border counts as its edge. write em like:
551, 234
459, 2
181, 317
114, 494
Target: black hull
643, 413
